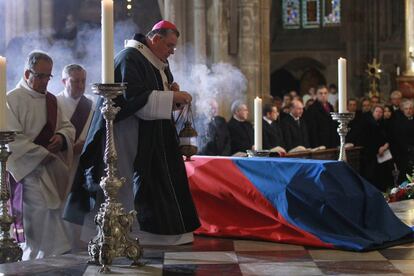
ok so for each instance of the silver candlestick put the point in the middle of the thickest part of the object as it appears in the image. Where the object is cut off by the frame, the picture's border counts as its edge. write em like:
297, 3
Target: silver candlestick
343, 120
114, 225
9, 249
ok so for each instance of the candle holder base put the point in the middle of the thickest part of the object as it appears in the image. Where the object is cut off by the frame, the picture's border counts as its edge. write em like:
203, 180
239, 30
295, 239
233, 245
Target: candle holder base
258, 153
343, 119
113, 224
9, 249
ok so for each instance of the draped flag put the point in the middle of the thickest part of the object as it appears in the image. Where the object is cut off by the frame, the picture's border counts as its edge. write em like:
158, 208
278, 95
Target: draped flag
307, 202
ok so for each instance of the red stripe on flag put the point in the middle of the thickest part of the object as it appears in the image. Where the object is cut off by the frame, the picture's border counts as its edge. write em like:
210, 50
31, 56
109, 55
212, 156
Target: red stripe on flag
230, 206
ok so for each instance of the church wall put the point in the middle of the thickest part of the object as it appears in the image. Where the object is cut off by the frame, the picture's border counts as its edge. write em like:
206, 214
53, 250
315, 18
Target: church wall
372, 28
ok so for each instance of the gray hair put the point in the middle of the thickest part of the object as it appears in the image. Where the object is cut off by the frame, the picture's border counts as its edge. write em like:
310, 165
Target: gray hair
396, 93
34, 57
235, 106
68, 69
406, 102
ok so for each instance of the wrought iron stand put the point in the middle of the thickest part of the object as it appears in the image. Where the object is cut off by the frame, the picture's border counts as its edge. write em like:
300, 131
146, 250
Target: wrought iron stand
114, 225
9, 249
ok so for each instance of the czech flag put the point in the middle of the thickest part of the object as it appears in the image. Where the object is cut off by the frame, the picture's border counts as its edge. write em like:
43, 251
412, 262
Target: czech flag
298, 201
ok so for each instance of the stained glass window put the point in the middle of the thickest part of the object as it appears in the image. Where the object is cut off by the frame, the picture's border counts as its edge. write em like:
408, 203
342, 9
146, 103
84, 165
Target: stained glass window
331, 12
291, 14
310, 14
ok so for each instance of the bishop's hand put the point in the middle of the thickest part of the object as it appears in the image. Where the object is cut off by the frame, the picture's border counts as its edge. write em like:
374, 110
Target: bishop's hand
181, 98
174, 87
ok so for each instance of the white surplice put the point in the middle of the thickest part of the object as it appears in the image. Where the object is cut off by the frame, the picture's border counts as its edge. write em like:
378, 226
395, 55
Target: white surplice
158, 107
68, 106
44, 184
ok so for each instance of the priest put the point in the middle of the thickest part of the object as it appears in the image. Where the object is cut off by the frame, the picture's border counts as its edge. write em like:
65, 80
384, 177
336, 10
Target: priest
40, 160
79, 109
147, 143
76, 107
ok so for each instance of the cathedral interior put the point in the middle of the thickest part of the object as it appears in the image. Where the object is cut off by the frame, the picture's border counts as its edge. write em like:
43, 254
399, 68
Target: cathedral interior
233, 49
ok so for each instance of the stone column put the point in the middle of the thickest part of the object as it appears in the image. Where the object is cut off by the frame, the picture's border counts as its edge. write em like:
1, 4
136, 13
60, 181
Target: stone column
217, 32
409, 37
28, 16
15, 14
254, 48
265, 9
46, 17
174, 11
200, 31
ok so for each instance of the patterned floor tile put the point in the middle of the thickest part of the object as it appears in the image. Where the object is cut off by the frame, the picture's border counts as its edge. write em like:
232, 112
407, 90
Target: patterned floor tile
272, 269
273, 256
149, 270
336, 255
247, 245
405, 266
199, 244
398, 253
358, 267
202, 270
210, 257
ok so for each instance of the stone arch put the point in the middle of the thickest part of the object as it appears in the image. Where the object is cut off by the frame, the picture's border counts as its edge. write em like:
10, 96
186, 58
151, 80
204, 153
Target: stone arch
299, 74
282, 81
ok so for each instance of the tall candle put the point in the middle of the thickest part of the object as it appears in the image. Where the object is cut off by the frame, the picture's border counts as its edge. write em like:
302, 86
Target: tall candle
107, 41
2, 93
342, 107
258, 124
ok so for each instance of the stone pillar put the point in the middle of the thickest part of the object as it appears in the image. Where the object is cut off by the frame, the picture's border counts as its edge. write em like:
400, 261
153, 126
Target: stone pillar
200, 31
28, 16
2, 28
265, 9
174, 11
46, 17
409, 37
254, 48
15, 14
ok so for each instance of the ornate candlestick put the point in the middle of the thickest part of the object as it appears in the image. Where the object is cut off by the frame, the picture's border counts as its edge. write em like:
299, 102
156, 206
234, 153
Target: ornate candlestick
113, 223
343, 119
9, 249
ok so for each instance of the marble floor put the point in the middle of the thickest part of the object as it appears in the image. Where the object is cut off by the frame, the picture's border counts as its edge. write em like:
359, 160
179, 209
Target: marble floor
213, 256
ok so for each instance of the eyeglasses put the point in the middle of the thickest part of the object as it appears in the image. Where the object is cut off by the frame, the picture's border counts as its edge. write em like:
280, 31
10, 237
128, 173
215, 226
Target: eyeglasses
41, 75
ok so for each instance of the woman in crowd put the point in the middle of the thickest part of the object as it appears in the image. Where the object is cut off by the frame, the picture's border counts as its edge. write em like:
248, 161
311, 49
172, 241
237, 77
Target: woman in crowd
376, 146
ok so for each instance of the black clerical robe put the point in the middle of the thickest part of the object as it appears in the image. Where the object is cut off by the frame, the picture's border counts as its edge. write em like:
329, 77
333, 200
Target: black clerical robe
321, 126
295, 132
161, 192
215, 138
272, 135
241, 135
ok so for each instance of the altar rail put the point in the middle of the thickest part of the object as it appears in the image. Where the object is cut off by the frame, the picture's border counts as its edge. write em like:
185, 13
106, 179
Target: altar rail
353, 155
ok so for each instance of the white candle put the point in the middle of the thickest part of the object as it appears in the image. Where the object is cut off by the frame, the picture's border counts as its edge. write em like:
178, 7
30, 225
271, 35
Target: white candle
342, 108
258, 124
397, 71
3, 93
107, 41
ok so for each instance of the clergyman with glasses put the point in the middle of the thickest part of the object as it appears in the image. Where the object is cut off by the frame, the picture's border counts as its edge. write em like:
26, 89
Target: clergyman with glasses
146, 139
39, 164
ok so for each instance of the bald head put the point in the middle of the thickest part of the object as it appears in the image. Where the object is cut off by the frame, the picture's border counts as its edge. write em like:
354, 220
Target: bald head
296, 108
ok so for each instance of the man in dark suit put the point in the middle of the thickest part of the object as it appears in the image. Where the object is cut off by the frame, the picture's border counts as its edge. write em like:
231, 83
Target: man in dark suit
215, 136
321, 126
272, 132
294, 127
241, 130
403, 134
